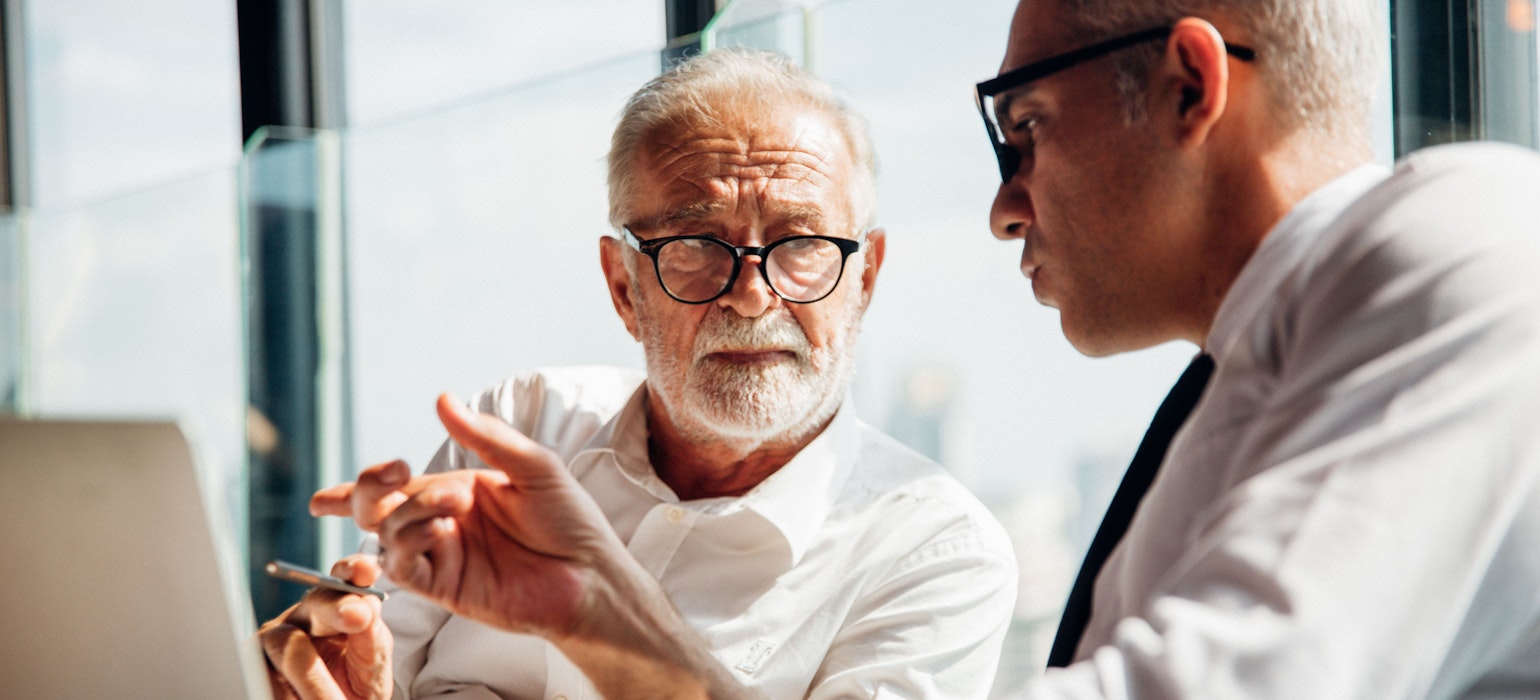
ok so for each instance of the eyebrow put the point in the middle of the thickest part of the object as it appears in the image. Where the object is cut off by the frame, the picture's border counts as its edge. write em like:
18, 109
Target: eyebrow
1003, 101
795, 214
804, 214
694, 211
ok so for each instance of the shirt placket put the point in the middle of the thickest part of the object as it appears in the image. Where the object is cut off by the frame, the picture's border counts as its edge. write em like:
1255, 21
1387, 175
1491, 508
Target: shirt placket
660, 535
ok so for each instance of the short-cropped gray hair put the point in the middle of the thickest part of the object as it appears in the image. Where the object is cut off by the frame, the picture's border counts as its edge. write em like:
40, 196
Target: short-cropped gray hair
1319, 59
701, 90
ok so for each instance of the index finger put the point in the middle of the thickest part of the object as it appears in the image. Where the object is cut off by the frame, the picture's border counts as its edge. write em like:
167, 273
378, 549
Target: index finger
378, 491
525, 461
333, 500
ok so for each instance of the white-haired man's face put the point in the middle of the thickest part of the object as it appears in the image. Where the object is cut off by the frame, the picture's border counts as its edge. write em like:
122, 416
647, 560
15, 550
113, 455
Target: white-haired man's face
749, 365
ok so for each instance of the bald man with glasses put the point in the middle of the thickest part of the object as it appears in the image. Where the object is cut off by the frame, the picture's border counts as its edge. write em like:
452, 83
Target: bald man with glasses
721, 525
1340, 498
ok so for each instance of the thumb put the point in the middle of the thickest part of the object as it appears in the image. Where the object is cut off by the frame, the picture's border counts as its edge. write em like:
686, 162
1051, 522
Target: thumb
497, 443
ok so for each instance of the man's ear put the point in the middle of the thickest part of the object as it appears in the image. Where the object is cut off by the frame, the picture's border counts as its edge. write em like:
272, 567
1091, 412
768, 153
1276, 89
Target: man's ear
618, 279
1195, 74
876, 248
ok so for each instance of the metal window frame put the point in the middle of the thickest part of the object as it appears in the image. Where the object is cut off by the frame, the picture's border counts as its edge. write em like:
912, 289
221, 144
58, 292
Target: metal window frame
684, 20
1442, 53
14, 189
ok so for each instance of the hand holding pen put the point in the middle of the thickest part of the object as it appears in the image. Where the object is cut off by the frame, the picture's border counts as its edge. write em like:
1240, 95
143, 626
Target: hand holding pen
333, 643
299, 574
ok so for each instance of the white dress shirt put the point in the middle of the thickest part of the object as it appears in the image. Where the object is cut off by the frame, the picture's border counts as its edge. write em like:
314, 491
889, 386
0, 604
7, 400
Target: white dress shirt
859, 569
1353, 509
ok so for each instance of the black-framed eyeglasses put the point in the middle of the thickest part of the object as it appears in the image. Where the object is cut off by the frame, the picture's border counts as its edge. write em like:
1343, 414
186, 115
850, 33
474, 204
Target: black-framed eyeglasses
984, 93
696, 269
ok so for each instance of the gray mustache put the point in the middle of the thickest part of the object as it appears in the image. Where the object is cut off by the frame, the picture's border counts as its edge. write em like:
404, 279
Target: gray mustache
728, 332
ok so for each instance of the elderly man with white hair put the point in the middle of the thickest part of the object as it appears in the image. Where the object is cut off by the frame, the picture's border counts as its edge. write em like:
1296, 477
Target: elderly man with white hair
726, 511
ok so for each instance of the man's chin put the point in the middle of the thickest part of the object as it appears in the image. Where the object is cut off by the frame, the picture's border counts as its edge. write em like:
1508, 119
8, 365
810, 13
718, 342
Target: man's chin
1040, 293
753, 415
742, 422
1099, 340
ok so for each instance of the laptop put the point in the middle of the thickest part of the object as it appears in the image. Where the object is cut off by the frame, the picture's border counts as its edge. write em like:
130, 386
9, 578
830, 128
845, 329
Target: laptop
113, 584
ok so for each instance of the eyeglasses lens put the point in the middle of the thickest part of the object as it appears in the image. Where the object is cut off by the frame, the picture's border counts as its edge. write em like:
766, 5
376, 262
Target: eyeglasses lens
698, 269
805, 269
694, 269
1008, 156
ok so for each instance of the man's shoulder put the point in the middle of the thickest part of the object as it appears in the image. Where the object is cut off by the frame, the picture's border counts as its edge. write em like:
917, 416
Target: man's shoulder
580, 387
1480, 158
1444, 247
888, 465
561, 407
919, 492
1471, 185
1456, 202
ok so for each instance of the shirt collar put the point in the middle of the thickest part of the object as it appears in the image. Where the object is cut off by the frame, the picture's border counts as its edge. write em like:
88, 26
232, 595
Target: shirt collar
795, 500
625, 436
1281, 252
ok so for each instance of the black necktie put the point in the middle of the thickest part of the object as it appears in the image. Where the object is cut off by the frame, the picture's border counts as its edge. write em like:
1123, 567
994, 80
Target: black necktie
1152, 450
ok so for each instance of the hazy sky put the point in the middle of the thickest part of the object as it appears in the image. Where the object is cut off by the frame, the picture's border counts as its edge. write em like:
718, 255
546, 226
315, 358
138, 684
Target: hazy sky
507, 189
474, 196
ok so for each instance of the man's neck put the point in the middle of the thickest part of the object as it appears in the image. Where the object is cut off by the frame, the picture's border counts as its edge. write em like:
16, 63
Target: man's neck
697, 467
1252, 192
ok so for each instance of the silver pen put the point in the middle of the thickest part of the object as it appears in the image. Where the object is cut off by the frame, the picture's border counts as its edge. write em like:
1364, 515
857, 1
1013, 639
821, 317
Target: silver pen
300, 574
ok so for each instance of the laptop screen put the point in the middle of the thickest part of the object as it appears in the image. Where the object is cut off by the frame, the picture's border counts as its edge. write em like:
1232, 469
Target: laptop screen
113, 583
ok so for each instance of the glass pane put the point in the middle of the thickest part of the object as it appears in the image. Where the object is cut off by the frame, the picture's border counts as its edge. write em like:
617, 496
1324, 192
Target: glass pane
296, 352
408, 55
122, 96
1509, 77
135, 312
1465, 71
473, 249
13, 306
781, 25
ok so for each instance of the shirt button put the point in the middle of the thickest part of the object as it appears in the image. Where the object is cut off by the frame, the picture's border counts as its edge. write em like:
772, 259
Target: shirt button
674, 514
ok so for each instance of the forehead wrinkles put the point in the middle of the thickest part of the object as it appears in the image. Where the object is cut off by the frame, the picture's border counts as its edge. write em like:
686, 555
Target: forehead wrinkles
732, 166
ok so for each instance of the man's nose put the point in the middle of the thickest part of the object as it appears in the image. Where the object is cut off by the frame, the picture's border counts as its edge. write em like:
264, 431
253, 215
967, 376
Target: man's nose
749, 296
1012, 212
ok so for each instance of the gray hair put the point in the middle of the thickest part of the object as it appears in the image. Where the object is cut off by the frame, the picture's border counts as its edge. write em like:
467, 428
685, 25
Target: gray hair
705, 88
1319, 59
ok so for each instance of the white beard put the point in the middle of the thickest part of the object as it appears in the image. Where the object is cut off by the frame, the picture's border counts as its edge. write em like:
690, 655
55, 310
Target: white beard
711, 400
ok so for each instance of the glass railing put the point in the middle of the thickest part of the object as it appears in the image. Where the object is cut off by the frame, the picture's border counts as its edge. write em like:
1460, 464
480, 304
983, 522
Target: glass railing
784, 26
13, 309
296, 343
473, 249
129, 308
